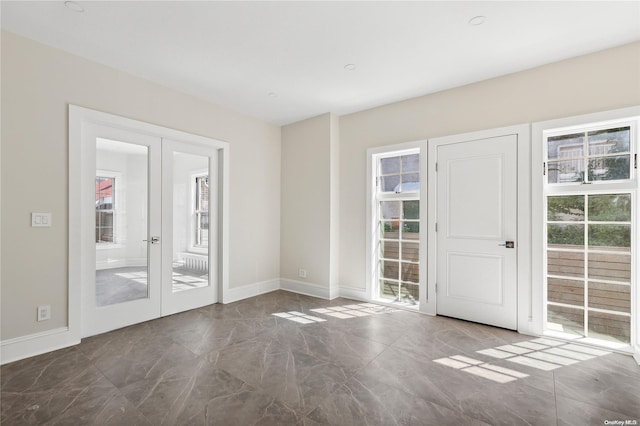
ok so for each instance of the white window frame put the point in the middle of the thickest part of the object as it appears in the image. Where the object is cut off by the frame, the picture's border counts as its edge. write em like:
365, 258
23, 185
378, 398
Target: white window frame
541, 190
373, 217
118, 209
192, 212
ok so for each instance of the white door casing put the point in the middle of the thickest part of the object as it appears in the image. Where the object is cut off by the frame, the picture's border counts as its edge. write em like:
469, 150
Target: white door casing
476, 272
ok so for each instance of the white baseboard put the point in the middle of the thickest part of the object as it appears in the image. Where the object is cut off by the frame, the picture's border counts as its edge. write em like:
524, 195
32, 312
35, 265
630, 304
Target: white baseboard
354, 293
35, 344
302, 287
250, 290
636, 354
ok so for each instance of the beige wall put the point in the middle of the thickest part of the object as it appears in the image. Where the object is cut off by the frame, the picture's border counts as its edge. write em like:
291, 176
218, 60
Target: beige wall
38, 83
602, 81
305, 219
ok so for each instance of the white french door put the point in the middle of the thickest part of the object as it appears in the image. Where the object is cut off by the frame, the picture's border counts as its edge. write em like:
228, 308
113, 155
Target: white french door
147, 206
477, 230
189, 207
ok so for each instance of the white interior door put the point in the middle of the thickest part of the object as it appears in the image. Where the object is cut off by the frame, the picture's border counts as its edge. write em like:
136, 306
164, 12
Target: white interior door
477, 221
121, 208
190, 246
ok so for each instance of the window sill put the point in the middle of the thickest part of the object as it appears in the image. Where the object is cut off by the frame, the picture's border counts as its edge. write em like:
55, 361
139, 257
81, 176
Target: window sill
198, 250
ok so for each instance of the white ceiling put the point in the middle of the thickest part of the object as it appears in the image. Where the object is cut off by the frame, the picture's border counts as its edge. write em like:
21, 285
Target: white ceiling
235, 53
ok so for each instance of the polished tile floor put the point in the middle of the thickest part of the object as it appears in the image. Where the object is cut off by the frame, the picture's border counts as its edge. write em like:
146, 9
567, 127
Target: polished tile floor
239, 364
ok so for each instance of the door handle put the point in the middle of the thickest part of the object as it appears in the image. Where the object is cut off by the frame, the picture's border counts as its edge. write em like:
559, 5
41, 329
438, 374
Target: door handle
508, 244
153, 240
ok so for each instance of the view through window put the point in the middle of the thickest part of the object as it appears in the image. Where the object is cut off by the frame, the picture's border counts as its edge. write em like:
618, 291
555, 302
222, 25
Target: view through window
589, 233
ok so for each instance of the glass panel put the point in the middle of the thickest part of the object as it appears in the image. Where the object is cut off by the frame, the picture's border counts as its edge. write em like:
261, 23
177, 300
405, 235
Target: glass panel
612, 297
410, 230
390, 165
563, 263
410, 272
616, 328
389, 249
390, 230
410, 293
190, 221
569, 292
609, 168
104, 227
389, 269
411, 251
610, 236
390, 209
410, 182
567, 320
565, 171
411, 209
565, 208
565, 146
389, 289
610, 267
609, 141
390, 183
410, 163
565, 236
121, 222
610, 208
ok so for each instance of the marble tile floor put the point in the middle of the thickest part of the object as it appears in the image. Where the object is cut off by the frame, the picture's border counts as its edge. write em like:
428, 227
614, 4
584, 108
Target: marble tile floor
238, 364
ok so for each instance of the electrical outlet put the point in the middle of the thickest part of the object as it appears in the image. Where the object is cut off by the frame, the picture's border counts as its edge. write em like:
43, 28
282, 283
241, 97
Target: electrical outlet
302, 273
44, 312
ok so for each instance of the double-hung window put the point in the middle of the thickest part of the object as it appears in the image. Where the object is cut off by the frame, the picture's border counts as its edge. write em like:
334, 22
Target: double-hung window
201, 211
590, 193
397, 205
105, 209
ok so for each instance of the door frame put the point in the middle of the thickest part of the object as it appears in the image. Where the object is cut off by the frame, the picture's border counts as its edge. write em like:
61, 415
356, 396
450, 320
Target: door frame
79, 216
524, 289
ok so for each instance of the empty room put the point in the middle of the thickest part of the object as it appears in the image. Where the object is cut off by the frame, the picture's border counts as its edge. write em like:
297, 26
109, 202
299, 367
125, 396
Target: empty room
319, 213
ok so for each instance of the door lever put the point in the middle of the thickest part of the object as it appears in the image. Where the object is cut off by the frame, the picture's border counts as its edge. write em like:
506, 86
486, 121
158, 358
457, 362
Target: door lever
153, 240
508, 244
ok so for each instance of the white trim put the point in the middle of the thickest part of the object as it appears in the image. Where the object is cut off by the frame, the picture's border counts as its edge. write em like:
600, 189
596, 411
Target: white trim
309, 289
524, 285
35, 344
354, 293
250, 290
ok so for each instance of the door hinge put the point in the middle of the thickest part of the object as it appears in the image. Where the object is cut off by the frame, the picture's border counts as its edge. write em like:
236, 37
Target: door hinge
436, 287
635, 161
377, 181
544, 169
436, 226
436, 166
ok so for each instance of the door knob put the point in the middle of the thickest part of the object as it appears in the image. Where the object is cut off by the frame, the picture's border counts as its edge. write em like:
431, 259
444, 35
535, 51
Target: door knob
153, 240
508, 244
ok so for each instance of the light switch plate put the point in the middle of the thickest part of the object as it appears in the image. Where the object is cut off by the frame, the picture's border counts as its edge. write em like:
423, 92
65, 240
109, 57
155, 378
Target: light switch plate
40, 220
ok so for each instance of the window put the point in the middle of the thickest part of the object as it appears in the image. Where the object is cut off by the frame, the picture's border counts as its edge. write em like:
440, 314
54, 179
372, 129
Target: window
589, 232
105, 208
202, 211
604, 153
398, 220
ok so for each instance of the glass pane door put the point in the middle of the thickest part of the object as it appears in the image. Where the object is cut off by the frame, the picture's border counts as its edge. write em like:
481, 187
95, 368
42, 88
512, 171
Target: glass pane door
121, 200
190, 257
121, 220
189, 197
